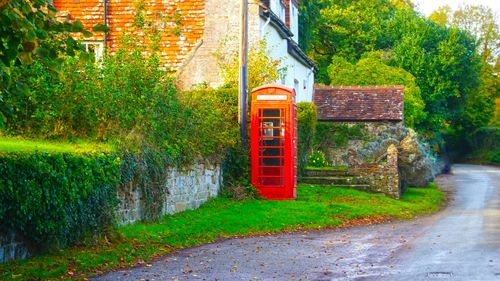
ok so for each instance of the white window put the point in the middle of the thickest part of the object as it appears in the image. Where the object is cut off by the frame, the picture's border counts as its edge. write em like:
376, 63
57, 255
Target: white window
278, 9
294, 22
296, 86
93, 47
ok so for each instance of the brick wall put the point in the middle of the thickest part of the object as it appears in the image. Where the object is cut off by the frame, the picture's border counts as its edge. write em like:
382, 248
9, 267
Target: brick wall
176, 42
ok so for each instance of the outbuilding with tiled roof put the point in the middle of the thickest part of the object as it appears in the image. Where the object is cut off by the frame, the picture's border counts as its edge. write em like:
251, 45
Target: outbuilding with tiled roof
359, 103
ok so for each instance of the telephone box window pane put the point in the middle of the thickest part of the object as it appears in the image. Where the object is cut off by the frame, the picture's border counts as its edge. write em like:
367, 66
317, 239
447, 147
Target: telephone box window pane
271, 113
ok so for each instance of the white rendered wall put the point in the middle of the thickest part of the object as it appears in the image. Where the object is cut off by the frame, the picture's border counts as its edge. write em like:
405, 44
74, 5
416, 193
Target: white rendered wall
295, 71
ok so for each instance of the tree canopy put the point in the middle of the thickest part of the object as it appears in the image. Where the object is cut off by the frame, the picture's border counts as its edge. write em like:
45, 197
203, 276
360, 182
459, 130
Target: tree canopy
446, 57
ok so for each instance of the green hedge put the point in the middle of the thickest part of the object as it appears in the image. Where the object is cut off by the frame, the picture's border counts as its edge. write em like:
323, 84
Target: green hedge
486, 138
56, 199
307, 119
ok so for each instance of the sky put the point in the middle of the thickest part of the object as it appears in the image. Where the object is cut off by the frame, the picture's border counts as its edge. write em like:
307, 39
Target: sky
428, 6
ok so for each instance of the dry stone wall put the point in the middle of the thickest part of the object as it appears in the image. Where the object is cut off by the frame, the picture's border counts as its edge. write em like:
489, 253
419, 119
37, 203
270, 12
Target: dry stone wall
382, 177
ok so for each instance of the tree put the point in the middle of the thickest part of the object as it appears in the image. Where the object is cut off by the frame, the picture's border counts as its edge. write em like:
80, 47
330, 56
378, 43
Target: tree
262, 68
29, 30
372, 69
481, 22
348, 29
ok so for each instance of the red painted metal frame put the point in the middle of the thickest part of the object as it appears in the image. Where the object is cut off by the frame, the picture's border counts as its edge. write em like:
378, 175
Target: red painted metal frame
273, 142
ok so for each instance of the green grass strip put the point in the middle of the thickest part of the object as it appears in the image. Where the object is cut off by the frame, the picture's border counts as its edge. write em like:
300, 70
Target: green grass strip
316, 207
12, 144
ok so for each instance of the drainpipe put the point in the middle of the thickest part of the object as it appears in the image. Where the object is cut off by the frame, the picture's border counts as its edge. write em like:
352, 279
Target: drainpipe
243, 64
105, 11
264, 27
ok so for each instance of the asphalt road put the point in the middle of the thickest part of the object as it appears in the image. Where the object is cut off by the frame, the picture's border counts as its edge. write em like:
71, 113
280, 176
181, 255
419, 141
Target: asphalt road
460, 243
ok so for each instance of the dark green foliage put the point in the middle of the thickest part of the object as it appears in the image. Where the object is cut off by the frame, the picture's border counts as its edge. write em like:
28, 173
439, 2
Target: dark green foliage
214, 117
55, 199
331, 135
307, 119
146, 170
29, 30
486, 138
236, 166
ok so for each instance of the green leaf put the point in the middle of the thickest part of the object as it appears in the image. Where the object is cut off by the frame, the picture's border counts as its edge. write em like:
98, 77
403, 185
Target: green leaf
100, 28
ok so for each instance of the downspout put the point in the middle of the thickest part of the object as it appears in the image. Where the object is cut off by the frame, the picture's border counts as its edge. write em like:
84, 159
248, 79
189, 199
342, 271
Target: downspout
264, 27
105, 11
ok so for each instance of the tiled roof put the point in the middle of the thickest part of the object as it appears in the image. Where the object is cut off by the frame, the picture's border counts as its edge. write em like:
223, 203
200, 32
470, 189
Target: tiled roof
359, 103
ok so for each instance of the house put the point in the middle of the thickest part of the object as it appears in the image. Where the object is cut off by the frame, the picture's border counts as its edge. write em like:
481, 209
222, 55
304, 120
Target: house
201, 27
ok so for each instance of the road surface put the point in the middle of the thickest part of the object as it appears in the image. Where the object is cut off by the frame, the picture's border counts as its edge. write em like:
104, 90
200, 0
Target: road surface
460, 243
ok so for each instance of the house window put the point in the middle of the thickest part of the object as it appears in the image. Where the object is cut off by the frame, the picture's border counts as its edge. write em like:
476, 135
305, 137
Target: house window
278, 8
283, 79
96, 48
294, 22
296, 86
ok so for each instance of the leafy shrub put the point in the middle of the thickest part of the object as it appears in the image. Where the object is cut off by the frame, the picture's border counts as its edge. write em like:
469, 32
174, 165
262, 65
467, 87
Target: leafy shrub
56, 199
128, 101
486, 138
317, 159
306, 112
214, 117
330, 135
495, 157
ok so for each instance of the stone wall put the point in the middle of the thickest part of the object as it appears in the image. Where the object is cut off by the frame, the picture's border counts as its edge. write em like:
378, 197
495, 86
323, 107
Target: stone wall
12, 247
339, 156
186, 188
383, 176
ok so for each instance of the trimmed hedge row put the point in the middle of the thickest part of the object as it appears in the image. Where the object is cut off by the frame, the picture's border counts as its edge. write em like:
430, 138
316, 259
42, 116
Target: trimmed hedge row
56, 199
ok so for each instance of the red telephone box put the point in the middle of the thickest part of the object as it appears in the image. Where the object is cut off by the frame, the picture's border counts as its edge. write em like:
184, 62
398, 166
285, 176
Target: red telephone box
273, 142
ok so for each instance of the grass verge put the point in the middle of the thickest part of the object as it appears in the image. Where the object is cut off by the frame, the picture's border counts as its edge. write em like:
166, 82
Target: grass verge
14, 144
316, 207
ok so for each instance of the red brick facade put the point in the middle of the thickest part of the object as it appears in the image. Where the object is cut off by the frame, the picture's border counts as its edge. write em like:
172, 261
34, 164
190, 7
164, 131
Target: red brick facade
174, 46
359, 103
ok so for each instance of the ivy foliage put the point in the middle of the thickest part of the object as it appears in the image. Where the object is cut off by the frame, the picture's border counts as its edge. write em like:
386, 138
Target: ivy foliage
56, 199
331, 135
307, 119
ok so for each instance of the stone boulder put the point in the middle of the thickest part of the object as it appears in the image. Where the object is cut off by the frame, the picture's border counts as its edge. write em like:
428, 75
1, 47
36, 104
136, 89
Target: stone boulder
417, 163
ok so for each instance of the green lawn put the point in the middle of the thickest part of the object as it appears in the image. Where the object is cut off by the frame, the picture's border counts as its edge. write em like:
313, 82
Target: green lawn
316, 207
12, 144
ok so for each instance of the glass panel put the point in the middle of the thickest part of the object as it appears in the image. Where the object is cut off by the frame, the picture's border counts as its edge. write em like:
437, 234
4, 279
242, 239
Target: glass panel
271, 147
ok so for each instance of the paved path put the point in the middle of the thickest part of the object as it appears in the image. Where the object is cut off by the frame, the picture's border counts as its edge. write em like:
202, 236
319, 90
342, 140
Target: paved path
460, 243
